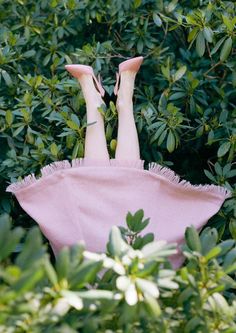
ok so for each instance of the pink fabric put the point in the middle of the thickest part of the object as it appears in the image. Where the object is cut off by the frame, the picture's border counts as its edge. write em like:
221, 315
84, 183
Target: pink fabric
83, 200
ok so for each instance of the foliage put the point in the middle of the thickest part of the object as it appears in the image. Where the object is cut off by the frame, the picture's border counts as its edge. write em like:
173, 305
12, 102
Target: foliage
185, 114
128, 289
184, 100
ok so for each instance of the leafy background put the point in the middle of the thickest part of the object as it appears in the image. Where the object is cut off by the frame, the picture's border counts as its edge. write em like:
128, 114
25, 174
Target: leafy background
185, 91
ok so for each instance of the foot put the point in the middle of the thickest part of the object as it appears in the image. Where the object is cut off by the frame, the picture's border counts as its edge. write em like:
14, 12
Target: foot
78, 70
90, 92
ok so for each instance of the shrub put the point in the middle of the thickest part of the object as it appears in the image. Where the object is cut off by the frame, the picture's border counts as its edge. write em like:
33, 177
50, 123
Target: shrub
185, 96
127, 289
185, 115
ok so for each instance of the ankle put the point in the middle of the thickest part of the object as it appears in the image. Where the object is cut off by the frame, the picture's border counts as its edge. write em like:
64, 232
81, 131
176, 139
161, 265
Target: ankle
124, 102
88, 86
124, 96
126, 88
93, 101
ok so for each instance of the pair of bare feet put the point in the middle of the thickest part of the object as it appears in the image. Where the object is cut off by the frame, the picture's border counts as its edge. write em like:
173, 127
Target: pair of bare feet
95, 139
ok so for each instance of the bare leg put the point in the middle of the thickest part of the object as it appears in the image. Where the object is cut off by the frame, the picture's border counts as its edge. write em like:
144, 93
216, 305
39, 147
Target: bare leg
95, 140
127, 141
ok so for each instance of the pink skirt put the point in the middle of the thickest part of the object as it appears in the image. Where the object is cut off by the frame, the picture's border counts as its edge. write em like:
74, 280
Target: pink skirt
84, 199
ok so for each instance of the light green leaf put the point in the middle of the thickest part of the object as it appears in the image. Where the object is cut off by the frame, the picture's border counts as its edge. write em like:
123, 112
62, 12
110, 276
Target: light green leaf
63, 263
208, 34
166, 71
230, 258
28, 280
167, 283
10, 242
209, 238
223, 149
226, 246
137, 3
200, 44
233, 79
193, 34
210, 176
140, 46
170, 142
218, 45
54, 149
96, 294
85, 272
218, 169
50, 271
157, 20
123, 282
171, 5
191, 20
226, 49
71, 124
177, 95
75, 119
29, 53
192, 324
32, 251
75, 150
152, 305
232, 227
192, 239
9, 117
213, 253
162, 137
113, 144
5, 227
47, 59
116, 244
220, 302
109, 131
147, 287
228, 23
18, 130
7, 78
73, 299
157, 134
179, 73
153, 250
129, 220
131, 295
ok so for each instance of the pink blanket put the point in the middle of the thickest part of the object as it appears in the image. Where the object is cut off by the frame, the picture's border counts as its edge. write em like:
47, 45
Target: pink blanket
83, 200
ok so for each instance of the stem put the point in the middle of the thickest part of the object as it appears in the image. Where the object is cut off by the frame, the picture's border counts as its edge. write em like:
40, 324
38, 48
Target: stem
214, 66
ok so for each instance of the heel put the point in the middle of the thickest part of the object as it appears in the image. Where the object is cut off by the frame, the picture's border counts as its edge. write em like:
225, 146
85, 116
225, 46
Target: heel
132, 65
78, 70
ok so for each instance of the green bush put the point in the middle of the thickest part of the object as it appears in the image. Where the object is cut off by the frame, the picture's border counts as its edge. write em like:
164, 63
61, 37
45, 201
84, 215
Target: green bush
185, 90
127, 289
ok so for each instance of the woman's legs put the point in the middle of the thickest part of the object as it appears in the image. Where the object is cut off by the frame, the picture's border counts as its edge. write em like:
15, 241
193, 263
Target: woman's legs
95, 139
127, 140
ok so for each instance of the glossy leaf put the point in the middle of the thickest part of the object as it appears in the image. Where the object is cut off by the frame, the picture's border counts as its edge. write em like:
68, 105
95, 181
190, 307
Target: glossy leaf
226, 49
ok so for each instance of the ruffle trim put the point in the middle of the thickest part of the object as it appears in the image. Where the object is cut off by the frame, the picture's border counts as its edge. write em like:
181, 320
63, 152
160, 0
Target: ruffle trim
175, 179
153, 167
78, 162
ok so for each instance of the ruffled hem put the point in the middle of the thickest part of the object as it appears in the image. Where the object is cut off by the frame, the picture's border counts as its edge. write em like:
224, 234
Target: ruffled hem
153, 167
175, 179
